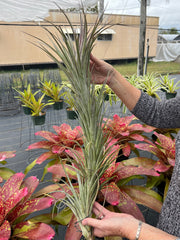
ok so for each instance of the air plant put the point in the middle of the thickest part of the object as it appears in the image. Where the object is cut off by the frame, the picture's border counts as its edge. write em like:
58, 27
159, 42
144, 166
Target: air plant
75, 56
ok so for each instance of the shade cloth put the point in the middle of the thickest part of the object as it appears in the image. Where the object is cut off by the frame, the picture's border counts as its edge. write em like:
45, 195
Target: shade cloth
167, 52
35, 10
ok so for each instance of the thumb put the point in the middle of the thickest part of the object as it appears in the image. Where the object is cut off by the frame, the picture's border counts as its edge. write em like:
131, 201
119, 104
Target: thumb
91, 222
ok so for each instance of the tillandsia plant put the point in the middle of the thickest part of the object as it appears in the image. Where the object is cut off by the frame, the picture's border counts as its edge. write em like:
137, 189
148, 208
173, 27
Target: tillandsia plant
75, 55
16, 204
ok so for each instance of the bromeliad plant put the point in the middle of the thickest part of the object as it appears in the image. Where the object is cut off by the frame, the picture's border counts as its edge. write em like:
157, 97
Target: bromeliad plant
164, 150
92, 164
16, 204
52, 90
125, 132
75, 56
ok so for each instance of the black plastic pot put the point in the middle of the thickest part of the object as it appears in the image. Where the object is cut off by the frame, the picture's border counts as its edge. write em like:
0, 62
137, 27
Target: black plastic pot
106, 96
71, 114
58, 105
39, 120
170, 95
27, 110
47, 98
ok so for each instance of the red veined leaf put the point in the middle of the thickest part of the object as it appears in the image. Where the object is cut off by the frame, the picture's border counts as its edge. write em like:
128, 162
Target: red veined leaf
51, 137
7, 154
41, 144
36, 204
31, 183
145, 196
2, 211
45, 156
60, 171
73, 230
127, 205
58, 149
11, 185
14, 199
33, 231
111, 193
5, 231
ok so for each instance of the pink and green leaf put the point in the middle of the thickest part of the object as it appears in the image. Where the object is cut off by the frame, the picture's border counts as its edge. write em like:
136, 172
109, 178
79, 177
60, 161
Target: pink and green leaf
14, 199
33, 231
5, 231
73, 231
51, 137
12, 185
45, 156
145, 196
41, 144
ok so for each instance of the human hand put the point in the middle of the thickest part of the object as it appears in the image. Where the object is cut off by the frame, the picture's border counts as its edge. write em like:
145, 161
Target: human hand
101, 71
111, 224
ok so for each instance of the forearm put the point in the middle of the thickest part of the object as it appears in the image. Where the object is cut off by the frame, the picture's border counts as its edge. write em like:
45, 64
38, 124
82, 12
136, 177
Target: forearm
149, 232
128, 94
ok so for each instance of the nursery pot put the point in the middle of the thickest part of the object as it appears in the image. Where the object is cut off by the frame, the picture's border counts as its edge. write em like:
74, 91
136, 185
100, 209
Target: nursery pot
39, 120
71, 114
58, 105
27, 110
106, 97
47, 98
170, 95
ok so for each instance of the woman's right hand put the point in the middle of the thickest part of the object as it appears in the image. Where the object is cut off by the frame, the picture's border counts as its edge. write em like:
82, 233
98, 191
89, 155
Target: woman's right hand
101, 71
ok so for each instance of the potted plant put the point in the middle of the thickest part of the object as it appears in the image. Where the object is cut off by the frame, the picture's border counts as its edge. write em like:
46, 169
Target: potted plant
54, 92
107, 92
149, 83
25, 98
37, 109
69, 100
169, 86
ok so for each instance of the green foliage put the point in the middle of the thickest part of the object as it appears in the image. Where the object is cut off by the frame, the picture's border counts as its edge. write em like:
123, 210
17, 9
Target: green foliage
168, 84
25, 96
52, 90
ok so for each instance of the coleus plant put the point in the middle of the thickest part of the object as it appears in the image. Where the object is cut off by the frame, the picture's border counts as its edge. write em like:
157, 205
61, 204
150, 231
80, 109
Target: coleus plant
16, 204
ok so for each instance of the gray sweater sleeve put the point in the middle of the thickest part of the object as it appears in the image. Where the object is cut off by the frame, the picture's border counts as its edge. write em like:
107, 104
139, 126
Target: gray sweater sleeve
160, 114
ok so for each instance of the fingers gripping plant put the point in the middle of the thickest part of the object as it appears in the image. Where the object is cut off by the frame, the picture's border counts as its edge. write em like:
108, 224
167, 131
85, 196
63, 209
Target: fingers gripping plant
75, 56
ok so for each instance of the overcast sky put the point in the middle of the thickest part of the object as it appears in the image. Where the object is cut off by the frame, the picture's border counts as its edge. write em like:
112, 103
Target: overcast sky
167, 10
22, 10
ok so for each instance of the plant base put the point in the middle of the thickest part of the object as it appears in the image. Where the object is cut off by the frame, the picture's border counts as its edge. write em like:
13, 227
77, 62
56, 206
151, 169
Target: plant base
39, 120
